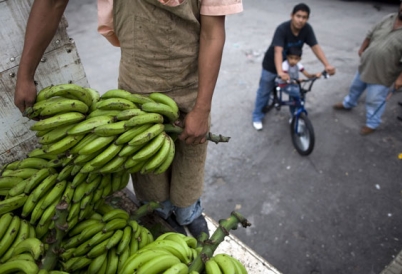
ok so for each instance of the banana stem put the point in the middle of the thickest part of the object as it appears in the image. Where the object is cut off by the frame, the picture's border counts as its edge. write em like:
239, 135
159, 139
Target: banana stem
145, 210
170, 128
60, 219
201, 239
209, 246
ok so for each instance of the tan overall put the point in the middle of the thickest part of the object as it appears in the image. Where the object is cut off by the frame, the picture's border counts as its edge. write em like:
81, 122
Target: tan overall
159, 53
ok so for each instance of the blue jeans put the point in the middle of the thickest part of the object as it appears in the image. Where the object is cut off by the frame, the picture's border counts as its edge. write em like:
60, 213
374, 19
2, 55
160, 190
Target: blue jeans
294, 94
376, 95
267, 83
184, 215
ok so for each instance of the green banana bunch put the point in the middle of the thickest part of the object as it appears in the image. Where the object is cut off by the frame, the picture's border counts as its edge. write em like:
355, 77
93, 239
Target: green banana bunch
71, 91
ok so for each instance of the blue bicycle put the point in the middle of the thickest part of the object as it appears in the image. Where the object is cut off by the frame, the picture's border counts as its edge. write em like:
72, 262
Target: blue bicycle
301, 128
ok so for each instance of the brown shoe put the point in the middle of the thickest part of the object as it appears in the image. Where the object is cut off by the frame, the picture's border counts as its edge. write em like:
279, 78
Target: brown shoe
365, 130
340, 106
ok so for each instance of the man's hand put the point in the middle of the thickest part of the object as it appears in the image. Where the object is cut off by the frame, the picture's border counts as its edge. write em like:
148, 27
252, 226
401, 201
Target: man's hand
25, 95
398, 83
284, 76
196, 127
330, 69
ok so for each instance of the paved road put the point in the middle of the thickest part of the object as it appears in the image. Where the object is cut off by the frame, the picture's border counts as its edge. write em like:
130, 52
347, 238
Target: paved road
335, 211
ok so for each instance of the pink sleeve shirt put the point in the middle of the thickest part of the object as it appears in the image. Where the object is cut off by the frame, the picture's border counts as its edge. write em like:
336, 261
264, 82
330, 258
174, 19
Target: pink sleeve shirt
208, 7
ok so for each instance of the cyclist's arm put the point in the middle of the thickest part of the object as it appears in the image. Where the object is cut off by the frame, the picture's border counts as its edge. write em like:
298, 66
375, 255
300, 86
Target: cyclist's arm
321, 56
42, 24
308, 75
278, 58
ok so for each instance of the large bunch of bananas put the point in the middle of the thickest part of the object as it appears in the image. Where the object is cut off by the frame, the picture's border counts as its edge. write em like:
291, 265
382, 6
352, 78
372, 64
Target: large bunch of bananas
103, 242
113, 132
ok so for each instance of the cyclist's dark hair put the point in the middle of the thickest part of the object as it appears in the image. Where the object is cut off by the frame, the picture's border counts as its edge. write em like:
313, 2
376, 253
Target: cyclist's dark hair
302, 7
294, 51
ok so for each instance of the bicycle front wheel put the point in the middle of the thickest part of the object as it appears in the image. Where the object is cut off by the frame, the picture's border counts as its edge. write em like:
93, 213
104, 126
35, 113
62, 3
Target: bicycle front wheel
302, 132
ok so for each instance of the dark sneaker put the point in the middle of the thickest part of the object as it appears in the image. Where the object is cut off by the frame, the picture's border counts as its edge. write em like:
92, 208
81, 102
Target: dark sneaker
340, 106
365, 130
198, 226
171, 220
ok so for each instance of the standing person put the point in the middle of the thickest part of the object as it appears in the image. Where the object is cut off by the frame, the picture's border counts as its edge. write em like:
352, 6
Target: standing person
170, 46
292, 33
380, 70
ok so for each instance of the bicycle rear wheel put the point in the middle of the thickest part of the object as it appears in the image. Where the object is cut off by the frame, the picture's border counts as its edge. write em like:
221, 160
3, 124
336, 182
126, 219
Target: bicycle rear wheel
302, 132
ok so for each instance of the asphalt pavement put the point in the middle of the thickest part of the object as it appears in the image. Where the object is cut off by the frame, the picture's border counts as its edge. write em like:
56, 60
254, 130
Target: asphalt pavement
338, 210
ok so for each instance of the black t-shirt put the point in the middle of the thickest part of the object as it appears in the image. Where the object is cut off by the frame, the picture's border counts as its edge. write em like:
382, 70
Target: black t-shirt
284, 37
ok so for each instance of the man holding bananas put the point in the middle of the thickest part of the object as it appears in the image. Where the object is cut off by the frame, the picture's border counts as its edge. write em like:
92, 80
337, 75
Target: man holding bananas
169, 46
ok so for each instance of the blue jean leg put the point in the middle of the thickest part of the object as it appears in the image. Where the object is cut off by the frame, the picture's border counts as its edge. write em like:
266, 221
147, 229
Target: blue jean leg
294, 94
375, 106
355, 91
267, 83
184, 215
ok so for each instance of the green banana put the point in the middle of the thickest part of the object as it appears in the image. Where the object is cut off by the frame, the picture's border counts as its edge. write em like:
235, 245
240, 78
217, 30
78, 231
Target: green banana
120, 93
10, 182
111, 129
88, 168
43, 187
158, 264
159, 157
97, 195
131, 133
67, 254
139, 258
68, 193
35, 111
164, 99
179, 268
64, 144
48, 213
150, 148
125, 240
115, 104
5, 221
12, 203
42, 230
123, 256
24, 266
147, 135
67, 105
80, 264
42, 93
74, 211
106, 155
23, 173
78, 179
33, 162
85, 202
115, 239
98, 144
112, 262
97, 263
58, 120
93, 185
76, 169
10, 235
65, 173
37, 211
92, 230
40, 153
37, 178
168, 161
147, 118
28, 207
17, 189
83, 159
82, 226
95, 96
113, 165
82, 249
115, 214
71, 91
90, 124
98, 238
179, 251
165, 110
114, 224
128, 114
31, 245
12, 165
89, 138
128, 150
55, 135
98, 250
239, 267
23, 257
79, 193
225, 263
55, 194
104, 112
212, 267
